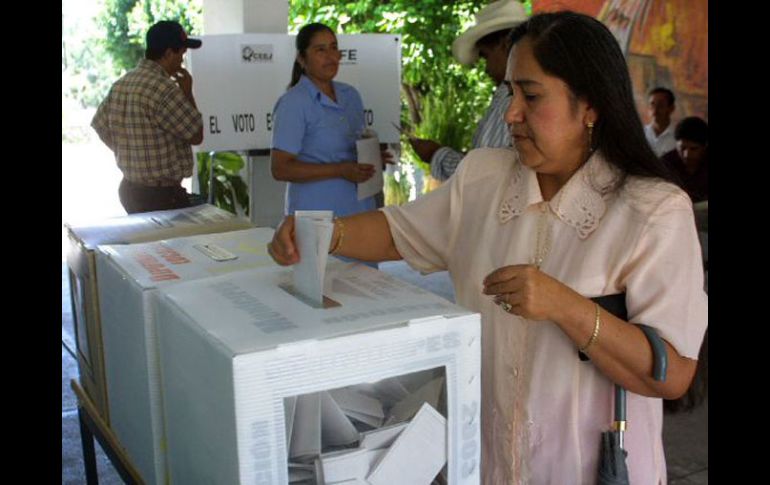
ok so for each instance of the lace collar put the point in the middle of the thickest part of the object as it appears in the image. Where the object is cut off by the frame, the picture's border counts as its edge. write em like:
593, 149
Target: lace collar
579, 203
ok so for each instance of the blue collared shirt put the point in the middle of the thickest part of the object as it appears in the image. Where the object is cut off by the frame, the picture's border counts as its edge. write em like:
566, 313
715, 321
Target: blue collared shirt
308, 124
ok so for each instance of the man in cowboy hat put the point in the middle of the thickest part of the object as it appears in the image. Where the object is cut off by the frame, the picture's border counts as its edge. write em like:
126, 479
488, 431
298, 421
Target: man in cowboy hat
487, 39
150, 120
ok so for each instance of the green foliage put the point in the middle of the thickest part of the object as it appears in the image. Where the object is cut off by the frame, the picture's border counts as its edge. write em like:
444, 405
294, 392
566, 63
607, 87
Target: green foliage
125, 23
396, 188
228, 186
442, 100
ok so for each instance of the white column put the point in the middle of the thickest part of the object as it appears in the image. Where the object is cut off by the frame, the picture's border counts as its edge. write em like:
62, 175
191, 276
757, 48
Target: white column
245, 16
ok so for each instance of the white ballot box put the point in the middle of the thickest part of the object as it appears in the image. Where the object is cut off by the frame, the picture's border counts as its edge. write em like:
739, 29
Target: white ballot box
81, 260
128, 278
262, 387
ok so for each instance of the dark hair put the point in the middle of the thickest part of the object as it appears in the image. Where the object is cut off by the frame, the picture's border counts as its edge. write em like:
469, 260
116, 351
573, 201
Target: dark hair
167, 34
155, 53
694, 129
494, 38
659, 90
583, 53
302, 42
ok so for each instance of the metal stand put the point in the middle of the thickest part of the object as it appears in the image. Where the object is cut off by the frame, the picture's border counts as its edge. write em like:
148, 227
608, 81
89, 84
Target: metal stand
92, 426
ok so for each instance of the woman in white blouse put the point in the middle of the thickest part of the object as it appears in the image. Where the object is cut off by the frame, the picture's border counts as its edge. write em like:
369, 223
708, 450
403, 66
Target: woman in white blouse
581, 208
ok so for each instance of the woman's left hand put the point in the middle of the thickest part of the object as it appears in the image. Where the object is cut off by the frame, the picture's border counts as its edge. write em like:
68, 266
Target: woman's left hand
531, 293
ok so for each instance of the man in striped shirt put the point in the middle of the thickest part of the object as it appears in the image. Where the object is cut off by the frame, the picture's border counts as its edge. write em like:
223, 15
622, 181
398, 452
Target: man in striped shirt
150, 120
487, 39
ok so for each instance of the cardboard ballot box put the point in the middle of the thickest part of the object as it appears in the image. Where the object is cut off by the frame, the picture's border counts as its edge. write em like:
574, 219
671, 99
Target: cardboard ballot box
128, 277
237, 349
83, 240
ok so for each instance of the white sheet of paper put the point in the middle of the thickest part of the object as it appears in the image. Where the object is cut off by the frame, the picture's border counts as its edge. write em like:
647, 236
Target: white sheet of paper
368, 150
381, 438
313, 234
306, 435
351, 400
417, 455
344, 465
406, 408
336, 428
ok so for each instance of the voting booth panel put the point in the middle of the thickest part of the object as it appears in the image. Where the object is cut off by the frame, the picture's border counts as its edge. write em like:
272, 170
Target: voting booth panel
239, 78
240, 355
81, 261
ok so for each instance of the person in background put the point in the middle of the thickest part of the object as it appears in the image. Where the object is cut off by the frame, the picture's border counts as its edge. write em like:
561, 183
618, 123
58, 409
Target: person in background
689, 160
315, 127
487, 39
579, 207
659, 132
150, 121
316, 123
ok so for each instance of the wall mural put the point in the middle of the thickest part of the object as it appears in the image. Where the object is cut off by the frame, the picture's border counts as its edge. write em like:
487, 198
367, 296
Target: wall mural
665, 42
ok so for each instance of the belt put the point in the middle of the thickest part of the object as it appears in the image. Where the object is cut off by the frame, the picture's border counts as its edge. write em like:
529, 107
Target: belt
156, 183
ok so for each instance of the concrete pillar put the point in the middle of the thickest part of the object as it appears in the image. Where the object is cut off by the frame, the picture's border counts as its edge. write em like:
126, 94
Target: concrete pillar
245, 16
252, 17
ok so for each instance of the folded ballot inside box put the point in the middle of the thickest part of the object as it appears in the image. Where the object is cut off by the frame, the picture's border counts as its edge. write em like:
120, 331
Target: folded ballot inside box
342, 432
128, 277
261, 387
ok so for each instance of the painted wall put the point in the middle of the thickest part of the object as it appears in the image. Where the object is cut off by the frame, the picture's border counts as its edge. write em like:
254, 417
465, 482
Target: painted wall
665, 41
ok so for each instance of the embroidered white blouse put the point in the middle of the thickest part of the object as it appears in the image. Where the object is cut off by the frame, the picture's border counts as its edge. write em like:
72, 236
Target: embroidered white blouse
543, 410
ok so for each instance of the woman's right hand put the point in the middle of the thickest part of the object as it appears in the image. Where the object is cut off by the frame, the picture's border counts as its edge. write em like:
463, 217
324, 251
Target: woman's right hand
282, 248
356, 172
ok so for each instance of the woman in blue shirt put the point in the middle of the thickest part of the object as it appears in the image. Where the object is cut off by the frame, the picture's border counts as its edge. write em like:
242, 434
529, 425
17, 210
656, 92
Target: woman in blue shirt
315, 127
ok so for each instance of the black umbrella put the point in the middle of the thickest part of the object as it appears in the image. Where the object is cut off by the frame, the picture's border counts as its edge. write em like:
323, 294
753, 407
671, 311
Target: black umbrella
612, 457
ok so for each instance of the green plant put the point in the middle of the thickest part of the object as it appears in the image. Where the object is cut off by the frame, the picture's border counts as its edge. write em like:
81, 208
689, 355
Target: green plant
228, 186
441, 99
396, 189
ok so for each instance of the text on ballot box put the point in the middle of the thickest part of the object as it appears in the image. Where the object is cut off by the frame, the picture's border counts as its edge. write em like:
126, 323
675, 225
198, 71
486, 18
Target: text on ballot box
128, 279
81, 261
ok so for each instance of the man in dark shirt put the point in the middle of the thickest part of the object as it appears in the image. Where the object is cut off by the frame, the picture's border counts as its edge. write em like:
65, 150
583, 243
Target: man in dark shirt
690, 158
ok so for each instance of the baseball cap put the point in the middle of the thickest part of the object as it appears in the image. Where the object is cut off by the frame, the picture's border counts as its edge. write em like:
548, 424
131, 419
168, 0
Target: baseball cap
169, 34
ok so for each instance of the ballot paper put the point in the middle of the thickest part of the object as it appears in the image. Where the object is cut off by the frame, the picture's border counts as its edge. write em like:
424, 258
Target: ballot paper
405, 409
341, 466
402, 463
313, 232
368, 150
359, 406
336, 428
306, 433
381, 438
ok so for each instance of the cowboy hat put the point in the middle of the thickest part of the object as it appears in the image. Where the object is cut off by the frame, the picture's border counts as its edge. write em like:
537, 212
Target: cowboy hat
499, 15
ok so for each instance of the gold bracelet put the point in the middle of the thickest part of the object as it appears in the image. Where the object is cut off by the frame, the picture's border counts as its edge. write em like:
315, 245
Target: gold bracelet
339, 239
594, 335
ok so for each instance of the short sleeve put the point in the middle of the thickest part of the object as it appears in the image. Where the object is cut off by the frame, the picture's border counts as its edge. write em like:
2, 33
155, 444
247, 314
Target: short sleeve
424, 230
288, 123
664, 278
177, 115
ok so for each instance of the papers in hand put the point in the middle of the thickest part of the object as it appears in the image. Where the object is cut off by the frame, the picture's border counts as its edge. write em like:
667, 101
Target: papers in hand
313, 234
368, 150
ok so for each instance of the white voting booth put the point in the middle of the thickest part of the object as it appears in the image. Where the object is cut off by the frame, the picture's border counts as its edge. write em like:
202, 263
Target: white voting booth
239, 77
